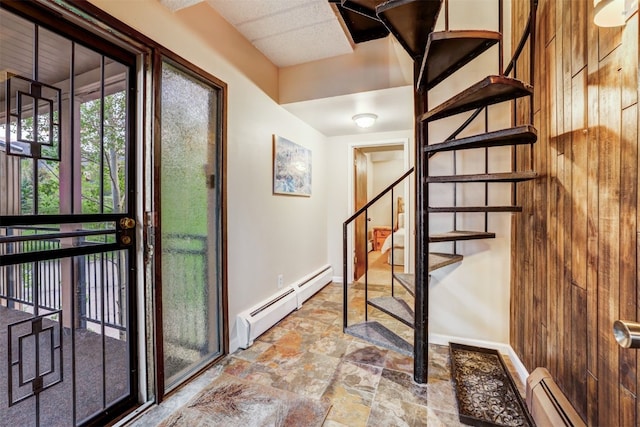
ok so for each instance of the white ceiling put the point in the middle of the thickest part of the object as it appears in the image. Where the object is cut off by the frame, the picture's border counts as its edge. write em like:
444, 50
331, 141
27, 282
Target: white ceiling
291, 32
282, 30
332, 116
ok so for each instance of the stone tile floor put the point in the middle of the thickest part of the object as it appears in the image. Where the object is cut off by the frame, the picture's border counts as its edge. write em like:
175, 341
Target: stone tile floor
307, 353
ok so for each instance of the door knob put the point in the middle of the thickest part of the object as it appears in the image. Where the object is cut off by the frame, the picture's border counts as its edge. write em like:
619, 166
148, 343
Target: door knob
127, 223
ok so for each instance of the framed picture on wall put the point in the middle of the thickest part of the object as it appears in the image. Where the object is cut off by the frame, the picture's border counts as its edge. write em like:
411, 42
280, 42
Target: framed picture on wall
291, 168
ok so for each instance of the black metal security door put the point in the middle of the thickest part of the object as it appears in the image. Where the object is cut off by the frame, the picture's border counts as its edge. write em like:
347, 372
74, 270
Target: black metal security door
67, 227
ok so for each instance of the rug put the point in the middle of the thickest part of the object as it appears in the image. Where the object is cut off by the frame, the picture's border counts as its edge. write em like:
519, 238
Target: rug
486, 393
231, 401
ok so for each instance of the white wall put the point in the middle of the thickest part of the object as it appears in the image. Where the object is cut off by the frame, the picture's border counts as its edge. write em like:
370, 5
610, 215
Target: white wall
267, 235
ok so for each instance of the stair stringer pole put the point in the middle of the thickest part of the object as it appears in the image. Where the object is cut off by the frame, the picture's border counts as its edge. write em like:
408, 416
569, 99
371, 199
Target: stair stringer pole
421, 331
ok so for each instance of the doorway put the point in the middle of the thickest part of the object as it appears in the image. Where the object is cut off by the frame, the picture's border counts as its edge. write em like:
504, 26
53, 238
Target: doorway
68, 264
375, 165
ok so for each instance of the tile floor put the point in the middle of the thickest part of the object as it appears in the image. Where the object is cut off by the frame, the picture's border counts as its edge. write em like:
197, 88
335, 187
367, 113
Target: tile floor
307, 353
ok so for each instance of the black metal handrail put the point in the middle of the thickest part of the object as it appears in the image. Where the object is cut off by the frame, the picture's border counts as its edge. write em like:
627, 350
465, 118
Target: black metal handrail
352, 218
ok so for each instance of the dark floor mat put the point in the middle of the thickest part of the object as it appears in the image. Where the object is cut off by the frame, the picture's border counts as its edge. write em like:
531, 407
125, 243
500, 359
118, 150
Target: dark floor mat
486, 393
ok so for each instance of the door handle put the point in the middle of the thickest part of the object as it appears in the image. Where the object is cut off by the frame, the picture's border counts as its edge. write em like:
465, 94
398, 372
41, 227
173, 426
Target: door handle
627, 333
127, 223
125, 231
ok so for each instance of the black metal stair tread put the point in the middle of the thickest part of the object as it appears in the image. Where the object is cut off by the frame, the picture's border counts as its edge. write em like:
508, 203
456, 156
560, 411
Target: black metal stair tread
410, 21
525, 134
395, 307
489, 177
457, 235
490, 90
445, 209
377, 334
438, 260
363, 7
362, 27
448, 51
408, 281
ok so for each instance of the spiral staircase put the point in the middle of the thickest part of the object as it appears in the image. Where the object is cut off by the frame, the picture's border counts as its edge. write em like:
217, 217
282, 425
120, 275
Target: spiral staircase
437, 55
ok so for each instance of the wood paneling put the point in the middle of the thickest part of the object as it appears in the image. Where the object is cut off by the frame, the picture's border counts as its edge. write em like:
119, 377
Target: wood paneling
575, 245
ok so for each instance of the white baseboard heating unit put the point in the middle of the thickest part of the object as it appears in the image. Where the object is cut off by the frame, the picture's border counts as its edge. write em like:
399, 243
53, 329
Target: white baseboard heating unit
255, 321
547, 404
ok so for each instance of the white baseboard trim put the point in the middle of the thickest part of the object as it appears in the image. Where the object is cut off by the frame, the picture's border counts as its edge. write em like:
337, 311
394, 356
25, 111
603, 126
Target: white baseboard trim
520, 368
337, 279
234, 343
503, 348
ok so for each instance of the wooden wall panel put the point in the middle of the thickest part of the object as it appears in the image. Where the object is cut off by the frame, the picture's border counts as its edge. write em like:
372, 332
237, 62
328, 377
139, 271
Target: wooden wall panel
575, 246
609, 225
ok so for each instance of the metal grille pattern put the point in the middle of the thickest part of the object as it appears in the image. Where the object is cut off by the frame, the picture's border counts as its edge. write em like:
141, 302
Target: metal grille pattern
35, 356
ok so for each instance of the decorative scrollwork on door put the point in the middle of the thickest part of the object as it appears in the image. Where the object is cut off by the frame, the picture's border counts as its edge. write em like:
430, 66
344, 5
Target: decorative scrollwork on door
32, 123
34, 356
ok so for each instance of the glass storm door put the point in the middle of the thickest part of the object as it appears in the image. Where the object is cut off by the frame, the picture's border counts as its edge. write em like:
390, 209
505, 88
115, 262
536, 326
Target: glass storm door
67, 233
189, 159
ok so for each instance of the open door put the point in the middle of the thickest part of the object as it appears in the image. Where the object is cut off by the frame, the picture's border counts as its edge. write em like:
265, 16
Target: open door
68, 336
360, 180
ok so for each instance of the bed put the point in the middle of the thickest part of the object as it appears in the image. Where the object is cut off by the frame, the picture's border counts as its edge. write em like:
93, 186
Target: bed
397, 240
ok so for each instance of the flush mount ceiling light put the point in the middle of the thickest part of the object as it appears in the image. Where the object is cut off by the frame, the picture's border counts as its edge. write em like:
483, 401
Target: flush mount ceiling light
364, 120
612, 13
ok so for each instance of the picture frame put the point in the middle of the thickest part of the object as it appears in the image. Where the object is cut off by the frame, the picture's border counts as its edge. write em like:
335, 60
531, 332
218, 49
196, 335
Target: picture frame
291, 168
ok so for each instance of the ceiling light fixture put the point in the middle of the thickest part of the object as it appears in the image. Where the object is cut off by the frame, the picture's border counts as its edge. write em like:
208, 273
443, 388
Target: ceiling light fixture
365, 120
612, 13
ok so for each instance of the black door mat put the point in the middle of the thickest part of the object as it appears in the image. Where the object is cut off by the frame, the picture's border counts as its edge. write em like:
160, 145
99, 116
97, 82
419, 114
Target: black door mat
486, 393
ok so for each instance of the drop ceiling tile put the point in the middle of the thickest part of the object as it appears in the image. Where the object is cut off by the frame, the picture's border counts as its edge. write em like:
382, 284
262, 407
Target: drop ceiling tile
175, 5
287, 20
238, 12
292, 47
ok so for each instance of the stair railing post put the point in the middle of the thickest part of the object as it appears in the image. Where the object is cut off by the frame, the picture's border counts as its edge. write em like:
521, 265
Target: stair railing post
392, 244
366, 264
532, 64
501, 42
455, 199
486, 169
446, 15
514, 150
421, 309
345, 308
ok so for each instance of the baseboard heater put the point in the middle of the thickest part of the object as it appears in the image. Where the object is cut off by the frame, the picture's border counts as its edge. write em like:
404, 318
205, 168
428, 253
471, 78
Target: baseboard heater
255, 321
547, 404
